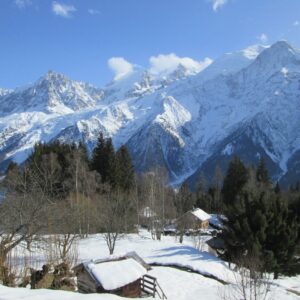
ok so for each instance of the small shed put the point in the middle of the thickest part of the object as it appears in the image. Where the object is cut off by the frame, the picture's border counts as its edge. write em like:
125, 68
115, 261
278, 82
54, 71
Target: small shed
121, 276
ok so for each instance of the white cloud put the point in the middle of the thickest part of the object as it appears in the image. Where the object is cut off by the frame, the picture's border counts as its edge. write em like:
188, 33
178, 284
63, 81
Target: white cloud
92, 11
296, 23
63, 10
263, 38
167, 63
120, 67
23, 3
216, 4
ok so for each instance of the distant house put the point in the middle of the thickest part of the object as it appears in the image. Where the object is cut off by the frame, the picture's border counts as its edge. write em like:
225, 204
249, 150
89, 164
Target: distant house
147, 216
196, 219
121, 276
147, 212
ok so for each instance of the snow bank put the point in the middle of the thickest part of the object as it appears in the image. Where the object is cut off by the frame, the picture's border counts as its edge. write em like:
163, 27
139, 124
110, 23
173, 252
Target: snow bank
7, 293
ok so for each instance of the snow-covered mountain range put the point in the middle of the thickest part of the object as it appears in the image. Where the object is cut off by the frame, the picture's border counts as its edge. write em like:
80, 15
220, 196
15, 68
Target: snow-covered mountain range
245, 103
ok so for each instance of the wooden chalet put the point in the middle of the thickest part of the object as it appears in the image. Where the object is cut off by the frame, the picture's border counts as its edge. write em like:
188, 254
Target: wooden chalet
122, 276
196, 219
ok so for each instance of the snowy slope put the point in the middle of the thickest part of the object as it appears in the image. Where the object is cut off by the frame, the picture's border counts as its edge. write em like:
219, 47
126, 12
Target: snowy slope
244, 103
177, 284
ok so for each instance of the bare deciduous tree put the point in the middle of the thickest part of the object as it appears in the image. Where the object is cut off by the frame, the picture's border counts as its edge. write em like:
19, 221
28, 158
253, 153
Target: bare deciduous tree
251, 282
184, 202
22, 212
114, 216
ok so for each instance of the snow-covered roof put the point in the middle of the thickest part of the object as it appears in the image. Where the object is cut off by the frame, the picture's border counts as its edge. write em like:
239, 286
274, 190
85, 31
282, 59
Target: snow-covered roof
217, 221
115, 274
201, 214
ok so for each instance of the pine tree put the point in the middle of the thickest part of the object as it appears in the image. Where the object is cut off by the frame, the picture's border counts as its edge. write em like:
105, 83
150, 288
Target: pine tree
104, 160
184, 200
110, 173
202, 199
98, 162
277, 188
125, 169
282, 237
51, 165
262, 174
234, 197
234, 181
259, 222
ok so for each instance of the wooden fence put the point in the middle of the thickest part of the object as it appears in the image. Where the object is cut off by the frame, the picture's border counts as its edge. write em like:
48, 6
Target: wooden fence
150, 286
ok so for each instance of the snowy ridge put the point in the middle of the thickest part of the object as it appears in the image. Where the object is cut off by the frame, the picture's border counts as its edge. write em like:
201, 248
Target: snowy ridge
244, 103
4, 92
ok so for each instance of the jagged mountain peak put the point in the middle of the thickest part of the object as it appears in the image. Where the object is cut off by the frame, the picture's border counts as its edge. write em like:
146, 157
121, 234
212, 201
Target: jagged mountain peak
280, 50
53, 75
180, 72
56, 80
281, 45
136, 83
52, 93
280, 54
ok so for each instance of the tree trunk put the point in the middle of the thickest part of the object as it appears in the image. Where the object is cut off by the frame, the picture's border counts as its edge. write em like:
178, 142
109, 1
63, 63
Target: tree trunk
181, 238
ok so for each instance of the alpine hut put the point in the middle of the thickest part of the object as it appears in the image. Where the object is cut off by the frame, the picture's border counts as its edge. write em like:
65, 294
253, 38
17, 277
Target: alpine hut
121, 276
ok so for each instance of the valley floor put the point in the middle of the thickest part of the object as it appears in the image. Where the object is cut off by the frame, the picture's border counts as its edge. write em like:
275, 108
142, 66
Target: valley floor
183, 271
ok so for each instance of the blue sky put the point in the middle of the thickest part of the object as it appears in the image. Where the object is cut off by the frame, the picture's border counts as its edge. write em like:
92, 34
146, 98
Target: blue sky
78, 37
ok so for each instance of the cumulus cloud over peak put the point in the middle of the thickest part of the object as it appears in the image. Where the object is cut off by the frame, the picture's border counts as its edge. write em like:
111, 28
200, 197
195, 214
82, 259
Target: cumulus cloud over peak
120, 66
263, 38
164, 64
62, 10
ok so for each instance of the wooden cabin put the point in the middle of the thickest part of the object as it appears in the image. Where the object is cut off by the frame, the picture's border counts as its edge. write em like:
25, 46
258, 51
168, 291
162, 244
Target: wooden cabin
196, 219
121, 276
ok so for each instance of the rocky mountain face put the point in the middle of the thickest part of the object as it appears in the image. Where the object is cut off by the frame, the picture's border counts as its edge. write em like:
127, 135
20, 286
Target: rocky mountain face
245, 103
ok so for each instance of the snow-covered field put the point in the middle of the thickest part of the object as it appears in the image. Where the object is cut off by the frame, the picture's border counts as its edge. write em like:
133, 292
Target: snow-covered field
167, 254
